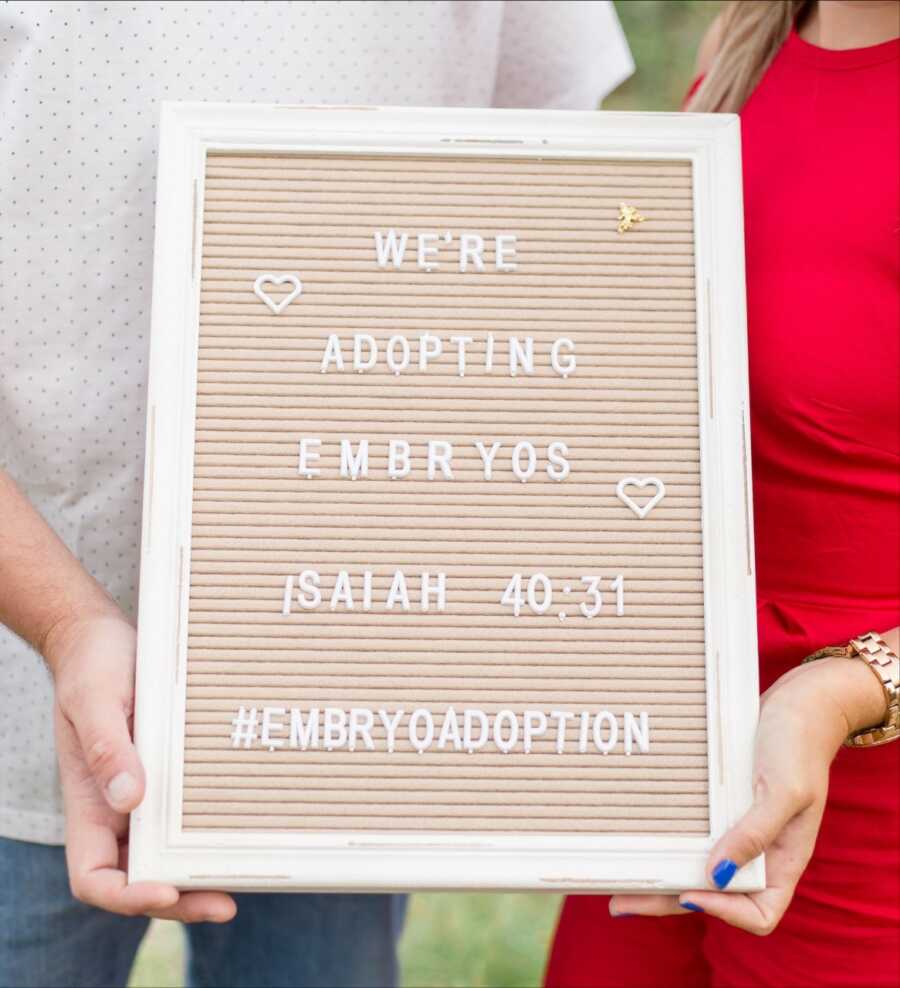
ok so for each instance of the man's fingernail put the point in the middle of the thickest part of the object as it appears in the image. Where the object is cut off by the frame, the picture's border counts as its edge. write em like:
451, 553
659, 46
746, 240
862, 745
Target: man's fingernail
121, 789
692, 906
724, 872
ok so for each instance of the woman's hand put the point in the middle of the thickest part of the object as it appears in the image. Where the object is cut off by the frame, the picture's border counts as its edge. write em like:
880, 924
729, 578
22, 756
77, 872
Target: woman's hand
804, 719
102, 778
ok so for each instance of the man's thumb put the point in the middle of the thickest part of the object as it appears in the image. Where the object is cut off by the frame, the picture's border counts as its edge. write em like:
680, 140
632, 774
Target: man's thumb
110, 755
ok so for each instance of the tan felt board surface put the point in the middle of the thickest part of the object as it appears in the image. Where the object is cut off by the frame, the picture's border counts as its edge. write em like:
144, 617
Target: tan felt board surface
627, 301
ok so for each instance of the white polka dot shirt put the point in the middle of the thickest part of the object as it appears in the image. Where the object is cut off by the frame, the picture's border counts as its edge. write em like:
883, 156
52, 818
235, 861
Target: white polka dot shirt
80, 86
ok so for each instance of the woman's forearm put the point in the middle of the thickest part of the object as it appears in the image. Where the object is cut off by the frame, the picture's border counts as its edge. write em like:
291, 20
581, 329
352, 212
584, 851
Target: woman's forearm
850, 694
43, 587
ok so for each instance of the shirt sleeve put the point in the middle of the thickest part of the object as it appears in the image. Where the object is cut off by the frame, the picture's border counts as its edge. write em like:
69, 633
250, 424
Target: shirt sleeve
560, 54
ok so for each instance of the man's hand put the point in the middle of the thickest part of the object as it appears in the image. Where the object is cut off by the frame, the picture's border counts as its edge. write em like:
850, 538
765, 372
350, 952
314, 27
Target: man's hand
57, 607
804, 718
102, 778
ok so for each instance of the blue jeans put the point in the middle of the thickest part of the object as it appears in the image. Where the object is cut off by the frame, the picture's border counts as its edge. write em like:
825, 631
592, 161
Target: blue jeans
48, 938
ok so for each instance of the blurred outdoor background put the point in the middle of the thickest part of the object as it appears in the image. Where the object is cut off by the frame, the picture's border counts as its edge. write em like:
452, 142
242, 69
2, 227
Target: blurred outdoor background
477, 941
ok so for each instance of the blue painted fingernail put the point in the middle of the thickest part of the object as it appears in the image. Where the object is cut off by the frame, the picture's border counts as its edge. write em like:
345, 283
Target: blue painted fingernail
693, 907
724, 872
620, 915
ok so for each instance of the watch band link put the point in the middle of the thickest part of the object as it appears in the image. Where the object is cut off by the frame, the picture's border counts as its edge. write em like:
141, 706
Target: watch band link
875, 652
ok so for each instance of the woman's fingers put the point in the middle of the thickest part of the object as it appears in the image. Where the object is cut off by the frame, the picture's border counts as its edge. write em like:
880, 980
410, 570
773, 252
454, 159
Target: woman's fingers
757, 912
774, 807
786, 858
645, 905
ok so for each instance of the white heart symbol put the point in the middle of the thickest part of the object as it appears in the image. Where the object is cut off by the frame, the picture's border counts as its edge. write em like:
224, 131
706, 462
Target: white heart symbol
641, 484
277, 279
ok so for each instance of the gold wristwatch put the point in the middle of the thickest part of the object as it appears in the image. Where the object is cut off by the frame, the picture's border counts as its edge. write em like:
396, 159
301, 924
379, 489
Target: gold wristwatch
872, 649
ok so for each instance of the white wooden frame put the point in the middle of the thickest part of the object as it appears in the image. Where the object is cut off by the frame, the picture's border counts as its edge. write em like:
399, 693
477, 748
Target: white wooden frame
160, 849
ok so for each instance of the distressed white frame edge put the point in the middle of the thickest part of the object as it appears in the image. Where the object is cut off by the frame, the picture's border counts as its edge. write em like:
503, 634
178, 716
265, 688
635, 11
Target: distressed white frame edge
160, 850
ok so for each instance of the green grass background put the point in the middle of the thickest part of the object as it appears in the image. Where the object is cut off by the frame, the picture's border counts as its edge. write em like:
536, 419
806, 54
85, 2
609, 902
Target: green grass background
452, 941
469, 940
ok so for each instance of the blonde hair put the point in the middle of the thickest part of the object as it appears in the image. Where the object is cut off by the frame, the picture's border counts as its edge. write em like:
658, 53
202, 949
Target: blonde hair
752, 31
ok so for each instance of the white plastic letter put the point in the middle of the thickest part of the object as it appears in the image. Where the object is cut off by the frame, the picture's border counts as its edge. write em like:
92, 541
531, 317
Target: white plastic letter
521, 353
343, 592
398, 459
362, 721
308, 452
534, 724
421, 743
561, 717
398, 593
390, 725
307, 736
470, 743
309, 596
334, 728
430, 348
487, 457
450, 731
637, 731
605, 717
512, 723
461, 342
395, 365
426, 251
528, 472
333, 353
558, 468
358, 465
388, 249
562, 367
471, 247
270, 724
505, 250
583, 729
440, 591
440, 453
359, 341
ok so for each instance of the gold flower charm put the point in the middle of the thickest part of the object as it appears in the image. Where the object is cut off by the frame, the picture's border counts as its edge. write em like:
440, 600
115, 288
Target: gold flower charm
628, 216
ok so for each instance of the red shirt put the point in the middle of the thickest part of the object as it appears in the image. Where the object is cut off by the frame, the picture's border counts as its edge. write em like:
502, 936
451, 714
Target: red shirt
822, 212
821, 159
822, 215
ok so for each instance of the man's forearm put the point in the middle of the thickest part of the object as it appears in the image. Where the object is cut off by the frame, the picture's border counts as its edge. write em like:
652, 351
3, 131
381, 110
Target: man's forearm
43, 587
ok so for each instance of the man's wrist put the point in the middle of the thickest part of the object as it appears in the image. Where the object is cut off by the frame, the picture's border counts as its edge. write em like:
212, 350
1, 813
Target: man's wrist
46, 592
59, 639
